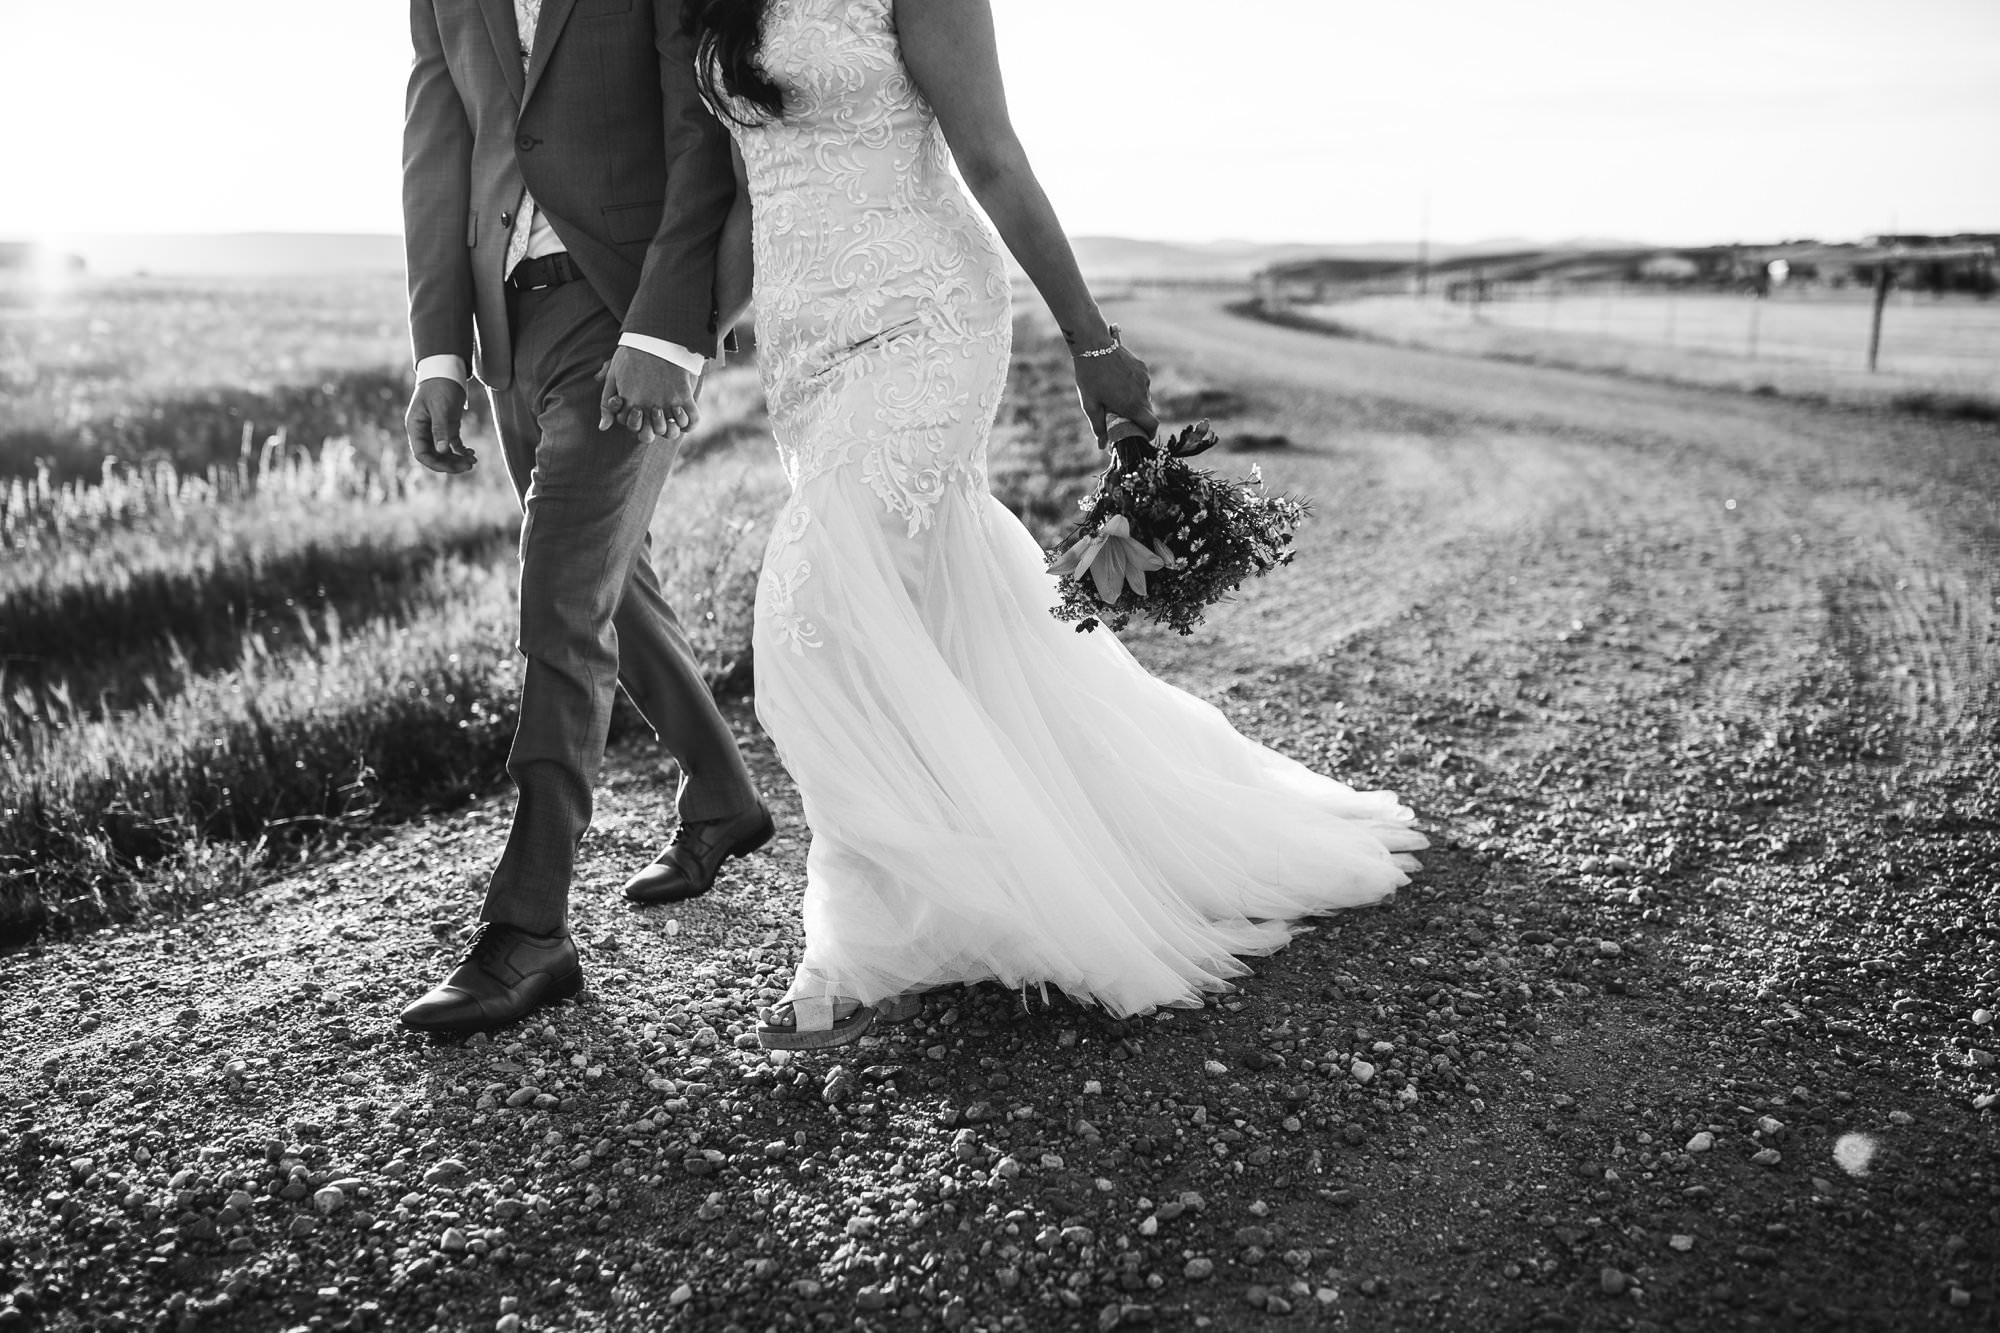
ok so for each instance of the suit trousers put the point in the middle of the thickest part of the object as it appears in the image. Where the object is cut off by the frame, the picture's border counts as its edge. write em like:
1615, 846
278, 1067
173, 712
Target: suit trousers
592, 616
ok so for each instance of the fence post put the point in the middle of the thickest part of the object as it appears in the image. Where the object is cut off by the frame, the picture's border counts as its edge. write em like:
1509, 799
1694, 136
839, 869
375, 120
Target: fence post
1882, 278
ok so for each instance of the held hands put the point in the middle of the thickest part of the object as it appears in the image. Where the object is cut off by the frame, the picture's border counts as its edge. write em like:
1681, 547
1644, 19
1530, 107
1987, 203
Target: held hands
648, 395
437, 410
1117, 383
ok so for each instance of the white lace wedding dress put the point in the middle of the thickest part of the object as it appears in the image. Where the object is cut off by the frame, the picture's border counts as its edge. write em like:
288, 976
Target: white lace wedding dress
991, 794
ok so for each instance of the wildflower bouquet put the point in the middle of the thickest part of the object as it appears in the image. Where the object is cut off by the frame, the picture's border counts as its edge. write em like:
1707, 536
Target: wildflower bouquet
1167, 541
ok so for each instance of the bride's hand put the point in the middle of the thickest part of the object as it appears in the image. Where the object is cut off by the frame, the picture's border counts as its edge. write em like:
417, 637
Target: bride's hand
1116, 382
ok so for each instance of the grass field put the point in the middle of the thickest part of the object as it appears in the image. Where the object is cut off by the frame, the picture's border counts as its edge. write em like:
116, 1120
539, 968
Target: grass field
235, 622
141, 369
1795, 343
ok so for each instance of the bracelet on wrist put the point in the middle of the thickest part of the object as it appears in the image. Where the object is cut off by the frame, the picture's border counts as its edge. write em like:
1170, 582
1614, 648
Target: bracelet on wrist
1116, 343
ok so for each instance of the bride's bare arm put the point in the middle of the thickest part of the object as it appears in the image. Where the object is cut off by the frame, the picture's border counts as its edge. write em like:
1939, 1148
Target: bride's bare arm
734, 271
951, 53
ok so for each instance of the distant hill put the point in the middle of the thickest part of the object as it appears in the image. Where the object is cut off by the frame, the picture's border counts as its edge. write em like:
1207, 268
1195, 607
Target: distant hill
258, 254
243, 254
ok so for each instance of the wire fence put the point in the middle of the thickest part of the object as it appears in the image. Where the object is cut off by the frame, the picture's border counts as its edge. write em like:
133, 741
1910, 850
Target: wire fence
1946, 336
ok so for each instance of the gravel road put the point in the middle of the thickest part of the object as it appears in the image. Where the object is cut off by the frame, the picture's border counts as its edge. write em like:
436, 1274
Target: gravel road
1689, 1024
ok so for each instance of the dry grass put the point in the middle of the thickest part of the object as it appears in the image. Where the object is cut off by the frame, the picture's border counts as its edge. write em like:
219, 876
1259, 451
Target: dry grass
324, 722
142, 368
104, 584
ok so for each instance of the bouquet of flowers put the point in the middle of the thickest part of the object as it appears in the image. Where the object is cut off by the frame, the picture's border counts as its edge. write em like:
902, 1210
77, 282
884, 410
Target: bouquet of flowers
1165, 540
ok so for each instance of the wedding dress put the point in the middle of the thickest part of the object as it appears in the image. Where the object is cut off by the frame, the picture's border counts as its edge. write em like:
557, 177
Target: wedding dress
990, 793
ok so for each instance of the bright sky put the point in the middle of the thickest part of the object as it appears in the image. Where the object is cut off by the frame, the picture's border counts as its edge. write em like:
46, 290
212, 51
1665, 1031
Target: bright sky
1307, 120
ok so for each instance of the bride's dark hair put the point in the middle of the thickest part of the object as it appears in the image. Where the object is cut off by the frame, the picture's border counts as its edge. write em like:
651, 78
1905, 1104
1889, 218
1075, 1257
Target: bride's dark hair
726, 36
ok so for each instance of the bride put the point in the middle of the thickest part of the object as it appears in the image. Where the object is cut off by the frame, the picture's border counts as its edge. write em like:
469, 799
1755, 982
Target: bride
991, 794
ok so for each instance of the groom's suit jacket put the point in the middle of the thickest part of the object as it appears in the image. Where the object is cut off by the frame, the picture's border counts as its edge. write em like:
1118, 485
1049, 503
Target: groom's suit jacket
608, 131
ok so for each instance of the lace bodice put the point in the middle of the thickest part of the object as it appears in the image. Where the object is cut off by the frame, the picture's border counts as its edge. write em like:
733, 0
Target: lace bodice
881, 296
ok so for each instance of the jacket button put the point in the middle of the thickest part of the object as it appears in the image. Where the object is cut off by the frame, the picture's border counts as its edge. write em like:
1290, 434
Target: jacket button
525, 142
506, 221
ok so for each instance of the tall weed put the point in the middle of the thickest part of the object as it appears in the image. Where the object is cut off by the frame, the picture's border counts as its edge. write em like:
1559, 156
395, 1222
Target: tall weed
104, 582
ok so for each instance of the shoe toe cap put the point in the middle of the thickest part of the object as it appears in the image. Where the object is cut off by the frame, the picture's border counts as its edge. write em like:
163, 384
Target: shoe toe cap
662, 884
442, 1009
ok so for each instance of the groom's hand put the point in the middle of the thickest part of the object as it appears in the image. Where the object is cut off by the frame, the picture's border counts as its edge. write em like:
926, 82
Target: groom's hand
437, 410
649, 395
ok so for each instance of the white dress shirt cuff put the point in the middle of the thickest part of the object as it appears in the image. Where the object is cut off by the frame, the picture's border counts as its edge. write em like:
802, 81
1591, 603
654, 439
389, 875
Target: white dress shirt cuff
692, 362
442, 368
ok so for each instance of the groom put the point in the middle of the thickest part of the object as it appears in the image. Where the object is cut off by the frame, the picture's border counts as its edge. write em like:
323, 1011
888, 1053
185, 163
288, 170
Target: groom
563, 191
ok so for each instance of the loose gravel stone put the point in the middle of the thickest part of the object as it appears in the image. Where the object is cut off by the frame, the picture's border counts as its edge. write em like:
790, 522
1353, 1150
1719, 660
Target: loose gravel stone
445, 1172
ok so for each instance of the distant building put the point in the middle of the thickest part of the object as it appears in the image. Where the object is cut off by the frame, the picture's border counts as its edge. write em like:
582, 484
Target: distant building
1963, 263
1668, 268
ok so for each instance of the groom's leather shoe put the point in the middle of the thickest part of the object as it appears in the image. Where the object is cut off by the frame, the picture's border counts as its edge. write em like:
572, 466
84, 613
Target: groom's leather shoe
687, 868
503, 976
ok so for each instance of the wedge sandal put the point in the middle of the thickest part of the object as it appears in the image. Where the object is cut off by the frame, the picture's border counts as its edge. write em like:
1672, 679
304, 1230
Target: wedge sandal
812, 1024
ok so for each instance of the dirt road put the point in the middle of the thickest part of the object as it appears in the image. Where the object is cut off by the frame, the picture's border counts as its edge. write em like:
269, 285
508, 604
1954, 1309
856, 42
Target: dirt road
1688, 1024
1728, 657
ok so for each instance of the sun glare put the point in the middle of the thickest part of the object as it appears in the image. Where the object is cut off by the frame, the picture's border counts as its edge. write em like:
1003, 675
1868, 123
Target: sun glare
50, 270
38, 268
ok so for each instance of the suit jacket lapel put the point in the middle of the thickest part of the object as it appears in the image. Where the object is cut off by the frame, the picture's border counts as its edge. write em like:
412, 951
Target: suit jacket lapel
548, 29
499, 16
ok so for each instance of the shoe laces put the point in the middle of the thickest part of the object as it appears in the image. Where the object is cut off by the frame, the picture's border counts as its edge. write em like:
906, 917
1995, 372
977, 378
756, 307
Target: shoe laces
486, 941
698, 841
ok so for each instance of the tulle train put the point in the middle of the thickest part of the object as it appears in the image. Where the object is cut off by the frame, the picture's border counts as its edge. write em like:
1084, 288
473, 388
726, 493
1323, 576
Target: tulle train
993, 795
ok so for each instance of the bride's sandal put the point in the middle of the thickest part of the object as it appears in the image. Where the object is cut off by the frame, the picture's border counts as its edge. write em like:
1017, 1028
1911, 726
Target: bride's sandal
812, 1023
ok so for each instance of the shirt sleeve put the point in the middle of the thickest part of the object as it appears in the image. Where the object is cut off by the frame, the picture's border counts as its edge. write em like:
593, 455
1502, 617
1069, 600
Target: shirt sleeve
692, 362
447, 367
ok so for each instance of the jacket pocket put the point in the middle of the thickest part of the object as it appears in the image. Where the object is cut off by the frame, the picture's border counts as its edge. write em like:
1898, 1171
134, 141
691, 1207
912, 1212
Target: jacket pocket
626, 223
472, 228
593, 9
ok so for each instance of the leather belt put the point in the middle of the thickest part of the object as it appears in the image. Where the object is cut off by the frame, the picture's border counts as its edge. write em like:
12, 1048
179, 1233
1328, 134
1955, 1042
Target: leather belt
532, 275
